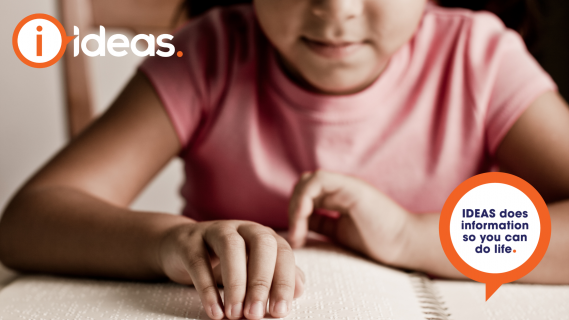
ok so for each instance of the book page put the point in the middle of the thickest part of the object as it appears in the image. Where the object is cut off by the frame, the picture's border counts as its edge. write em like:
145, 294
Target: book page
339, 285
465, 301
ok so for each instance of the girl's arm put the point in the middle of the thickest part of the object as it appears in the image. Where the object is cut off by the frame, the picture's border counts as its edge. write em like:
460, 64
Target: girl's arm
536, 149
72, 217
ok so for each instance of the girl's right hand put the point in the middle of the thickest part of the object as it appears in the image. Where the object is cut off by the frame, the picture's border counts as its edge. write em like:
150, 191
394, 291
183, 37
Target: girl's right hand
251, 261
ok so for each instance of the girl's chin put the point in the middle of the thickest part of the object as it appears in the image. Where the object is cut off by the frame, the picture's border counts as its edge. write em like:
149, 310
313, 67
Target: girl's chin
333, 52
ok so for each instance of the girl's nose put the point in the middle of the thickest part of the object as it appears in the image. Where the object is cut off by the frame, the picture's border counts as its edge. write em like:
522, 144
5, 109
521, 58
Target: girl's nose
337, 9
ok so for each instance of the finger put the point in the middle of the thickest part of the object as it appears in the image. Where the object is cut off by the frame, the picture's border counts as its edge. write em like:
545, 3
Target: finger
262, 246
327, 213
323, 225
342, 230
323, 190
299, 282
294, 202
197, 263
320, 190
301, 206
283, 285
217, 274
229, 246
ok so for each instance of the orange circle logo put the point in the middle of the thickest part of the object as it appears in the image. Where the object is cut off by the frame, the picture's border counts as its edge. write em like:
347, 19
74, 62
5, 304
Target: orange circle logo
39, 40
495, 228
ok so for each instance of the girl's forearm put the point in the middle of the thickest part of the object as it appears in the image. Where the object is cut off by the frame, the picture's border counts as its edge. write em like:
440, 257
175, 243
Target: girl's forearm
553, 268
425, 252
63, 230
423, 248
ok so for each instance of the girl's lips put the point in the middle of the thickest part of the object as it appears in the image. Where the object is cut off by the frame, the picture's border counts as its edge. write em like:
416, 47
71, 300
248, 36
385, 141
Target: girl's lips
332, 50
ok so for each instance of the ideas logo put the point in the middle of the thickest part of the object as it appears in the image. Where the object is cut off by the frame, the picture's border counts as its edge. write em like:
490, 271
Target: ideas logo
39, 41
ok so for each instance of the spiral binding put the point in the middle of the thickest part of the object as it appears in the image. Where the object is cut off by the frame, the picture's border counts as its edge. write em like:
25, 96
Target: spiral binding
431, 304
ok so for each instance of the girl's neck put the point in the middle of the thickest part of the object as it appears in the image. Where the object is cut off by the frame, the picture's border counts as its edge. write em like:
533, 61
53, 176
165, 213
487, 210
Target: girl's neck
297, 78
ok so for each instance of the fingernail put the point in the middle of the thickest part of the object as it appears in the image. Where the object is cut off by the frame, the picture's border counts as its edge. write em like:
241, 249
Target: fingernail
281, 307
236, 310
256, 309
216, 311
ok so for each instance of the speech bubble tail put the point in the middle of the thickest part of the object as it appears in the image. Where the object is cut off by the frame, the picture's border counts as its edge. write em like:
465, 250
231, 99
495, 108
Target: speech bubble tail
491, 289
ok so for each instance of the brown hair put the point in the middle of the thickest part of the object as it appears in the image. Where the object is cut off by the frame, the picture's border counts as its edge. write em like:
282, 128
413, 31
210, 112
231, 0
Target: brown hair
520, 15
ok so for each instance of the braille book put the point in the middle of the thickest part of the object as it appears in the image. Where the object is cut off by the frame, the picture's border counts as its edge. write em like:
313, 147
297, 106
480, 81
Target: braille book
340, 285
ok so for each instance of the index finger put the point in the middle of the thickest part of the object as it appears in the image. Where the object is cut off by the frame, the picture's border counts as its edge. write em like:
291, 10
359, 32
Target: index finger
301, 206
322, 190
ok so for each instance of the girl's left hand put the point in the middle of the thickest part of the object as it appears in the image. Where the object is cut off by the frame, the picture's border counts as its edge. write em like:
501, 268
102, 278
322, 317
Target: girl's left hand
368, 221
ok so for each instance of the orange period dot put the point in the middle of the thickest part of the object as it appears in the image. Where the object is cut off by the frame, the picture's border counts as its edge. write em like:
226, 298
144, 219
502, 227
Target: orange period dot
39, 28
180, 53
514, 250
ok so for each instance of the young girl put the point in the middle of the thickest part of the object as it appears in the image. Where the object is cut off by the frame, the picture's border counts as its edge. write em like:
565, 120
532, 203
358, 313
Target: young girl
373, 109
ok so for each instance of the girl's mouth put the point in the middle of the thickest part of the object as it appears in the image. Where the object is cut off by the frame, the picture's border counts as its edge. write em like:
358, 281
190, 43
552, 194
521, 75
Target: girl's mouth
332, 49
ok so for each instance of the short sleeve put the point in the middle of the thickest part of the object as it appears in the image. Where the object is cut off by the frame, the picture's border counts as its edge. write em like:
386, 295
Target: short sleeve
189, 86
505, 78
177, 83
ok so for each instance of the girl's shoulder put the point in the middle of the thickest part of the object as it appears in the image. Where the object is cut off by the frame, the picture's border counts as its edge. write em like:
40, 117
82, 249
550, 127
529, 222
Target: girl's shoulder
463, 17
485, 62
477, 41
477, 33
211, 49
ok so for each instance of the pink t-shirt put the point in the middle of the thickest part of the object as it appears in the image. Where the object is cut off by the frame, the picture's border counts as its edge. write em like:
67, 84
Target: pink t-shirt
434, 117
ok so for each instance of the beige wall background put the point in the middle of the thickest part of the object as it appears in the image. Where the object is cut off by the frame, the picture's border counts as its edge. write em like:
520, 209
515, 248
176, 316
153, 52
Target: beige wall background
32, 102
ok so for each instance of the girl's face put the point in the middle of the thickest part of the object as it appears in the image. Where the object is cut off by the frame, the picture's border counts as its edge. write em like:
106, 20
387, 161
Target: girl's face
337, 46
